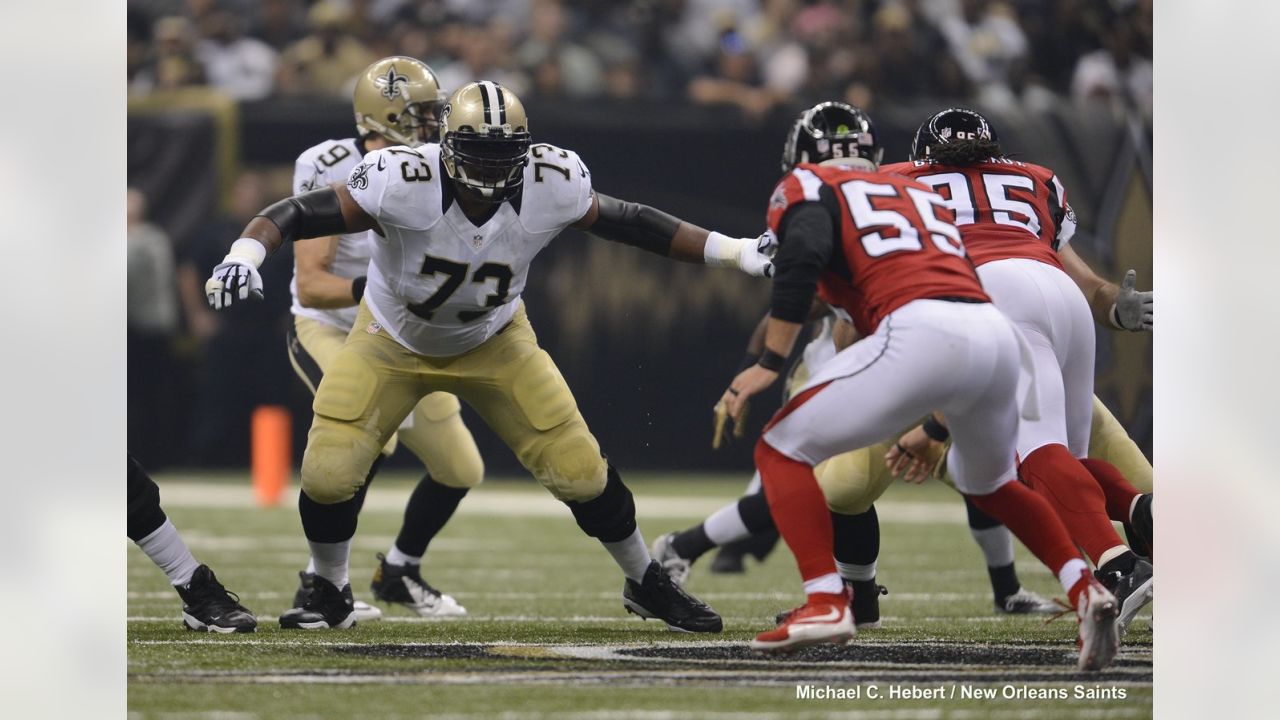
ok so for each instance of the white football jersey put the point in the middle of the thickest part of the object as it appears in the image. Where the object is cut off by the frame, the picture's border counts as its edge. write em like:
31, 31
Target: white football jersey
332, 161
438, 283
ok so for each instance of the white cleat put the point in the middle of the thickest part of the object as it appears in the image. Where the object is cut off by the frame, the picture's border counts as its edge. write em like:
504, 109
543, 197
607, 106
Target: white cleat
1026, 602
1098, 612
403, 585
676, 567
366, 612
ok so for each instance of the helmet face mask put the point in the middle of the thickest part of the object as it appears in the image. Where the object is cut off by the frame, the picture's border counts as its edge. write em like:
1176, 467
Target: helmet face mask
832, 132
951, 125
400, 99
485, 140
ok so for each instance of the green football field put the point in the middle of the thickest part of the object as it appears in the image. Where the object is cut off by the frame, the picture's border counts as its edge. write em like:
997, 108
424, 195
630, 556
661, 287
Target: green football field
547, 636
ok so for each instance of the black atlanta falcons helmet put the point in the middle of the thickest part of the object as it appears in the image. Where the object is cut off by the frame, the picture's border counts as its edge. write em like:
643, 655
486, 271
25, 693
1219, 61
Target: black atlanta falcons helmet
950, 125
831, 131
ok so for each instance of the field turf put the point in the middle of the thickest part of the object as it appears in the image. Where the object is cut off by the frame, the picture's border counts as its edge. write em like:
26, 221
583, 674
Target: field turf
547, 636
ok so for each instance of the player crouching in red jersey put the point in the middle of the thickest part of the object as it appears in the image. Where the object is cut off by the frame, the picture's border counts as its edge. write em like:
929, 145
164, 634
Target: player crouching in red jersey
884, 250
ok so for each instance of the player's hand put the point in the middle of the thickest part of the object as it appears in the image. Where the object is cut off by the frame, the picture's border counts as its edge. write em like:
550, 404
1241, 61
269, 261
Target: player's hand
232, 281
1133, 310
913, 456
749, 382
755, 257
721, 411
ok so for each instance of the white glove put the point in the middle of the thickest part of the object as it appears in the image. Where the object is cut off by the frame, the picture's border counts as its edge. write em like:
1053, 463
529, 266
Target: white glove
1132, 310
750, 255
236, 277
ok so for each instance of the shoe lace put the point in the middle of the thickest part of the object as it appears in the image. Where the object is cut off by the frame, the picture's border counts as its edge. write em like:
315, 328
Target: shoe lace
1066, 608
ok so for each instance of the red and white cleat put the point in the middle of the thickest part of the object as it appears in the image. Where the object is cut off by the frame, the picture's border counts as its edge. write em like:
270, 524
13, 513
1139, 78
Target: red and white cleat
1098, 611
825, 618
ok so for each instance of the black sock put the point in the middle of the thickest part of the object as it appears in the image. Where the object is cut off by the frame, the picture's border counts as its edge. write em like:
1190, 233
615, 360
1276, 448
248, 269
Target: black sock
857, 537
1004, 582
430, 507
145, 515
1122, 564
611, 515
692, 543
754, 510
336, 522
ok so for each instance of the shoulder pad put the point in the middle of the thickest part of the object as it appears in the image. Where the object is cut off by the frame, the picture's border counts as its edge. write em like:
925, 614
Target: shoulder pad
557, 188
398, 186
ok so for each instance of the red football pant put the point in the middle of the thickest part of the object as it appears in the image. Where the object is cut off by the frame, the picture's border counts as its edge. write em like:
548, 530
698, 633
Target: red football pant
1032, 520
799, 510
1054, 473
1118, 491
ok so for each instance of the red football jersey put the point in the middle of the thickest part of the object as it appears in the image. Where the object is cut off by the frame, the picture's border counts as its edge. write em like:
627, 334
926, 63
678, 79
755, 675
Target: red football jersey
897, 242
1004, 208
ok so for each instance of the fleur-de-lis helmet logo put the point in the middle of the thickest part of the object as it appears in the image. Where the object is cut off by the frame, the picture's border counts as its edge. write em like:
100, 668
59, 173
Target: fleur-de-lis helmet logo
391, 83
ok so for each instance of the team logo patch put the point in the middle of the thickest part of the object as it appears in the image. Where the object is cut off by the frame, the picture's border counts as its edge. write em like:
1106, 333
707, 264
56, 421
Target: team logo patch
779, 198
374, 328
392, 84
945, 133
359, 179
477, 241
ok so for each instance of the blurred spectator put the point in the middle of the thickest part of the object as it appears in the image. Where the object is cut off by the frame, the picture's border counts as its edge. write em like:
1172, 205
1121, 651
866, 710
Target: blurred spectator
734, 79
907, 58
327, 61
240, 66
152, 323
697, 35
228, 387
173, 63
1116, 72
280, 23
985, 41
557, 65
484, 57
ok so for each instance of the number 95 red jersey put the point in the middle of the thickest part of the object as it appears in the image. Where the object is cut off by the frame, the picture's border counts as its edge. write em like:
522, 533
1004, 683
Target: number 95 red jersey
897, 241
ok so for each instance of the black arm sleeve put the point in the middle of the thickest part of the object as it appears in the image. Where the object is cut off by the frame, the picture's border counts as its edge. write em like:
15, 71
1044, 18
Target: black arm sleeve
634, 224
805, 244
316, 213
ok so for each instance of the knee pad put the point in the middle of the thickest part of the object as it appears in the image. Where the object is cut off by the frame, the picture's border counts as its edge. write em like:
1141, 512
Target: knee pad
145, 513
337, 461
570, 464
611, 515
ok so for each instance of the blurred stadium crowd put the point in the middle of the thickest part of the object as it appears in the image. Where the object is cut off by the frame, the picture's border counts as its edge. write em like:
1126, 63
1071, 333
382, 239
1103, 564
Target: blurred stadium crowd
752, 54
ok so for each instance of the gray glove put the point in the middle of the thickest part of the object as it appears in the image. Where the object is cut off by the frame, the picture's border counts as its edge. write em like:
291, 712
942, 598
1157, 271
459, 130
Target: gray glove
1132, 310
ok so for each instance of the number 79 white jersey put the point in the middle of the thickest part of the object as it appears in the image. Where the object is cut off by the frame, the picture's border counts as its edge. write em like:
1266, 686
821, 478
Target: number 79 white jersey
438, 283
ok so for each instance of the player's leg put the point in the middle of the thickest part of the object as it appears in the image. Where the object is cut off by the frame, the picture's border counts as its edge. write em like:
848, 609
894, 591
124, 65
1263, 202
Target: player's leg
1125, 476
514, 385
369, 388
731, 556
435, 433
312, 346
206, 604
735, 522
981, 460
851, 483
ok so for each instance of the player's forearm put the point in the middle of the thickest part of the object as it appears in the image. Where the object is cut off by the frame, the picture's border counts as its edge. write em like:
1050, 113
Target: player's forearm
307, 215
779, 340
1101, 300
326, 291
658, 232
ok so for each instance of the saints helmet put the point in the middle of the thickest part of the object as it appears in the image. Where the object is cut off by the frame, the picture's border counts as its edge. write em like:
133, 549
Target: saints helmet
398, 98
950, 125
832, 131
484, 139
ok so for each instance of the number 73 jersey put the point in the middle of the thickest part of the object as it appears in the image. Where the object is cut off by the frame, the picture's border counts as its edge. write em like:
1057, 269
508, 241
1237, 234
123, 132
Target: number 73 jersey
895, 241
438, 283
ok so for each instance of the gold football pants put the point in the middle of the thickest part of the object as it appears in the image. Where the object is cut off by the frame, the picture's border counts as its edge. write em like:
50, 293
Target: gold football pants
374, 382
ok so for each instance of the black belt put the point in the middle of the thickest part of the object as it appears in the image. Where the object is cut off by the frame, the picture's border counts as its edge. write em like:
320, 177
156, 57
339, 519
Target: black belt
954, 298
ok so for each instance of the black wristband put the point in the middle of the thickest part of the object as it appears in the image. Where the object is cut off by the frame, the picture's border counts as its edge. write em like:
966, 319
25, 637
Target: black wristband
770, 360
357, 287
747, 361
935, 429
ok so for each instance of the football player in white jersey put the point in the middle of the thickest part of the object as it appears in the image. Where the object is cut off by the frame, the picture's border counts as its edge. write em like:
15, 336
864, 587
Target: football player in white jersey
397, 102
457, 225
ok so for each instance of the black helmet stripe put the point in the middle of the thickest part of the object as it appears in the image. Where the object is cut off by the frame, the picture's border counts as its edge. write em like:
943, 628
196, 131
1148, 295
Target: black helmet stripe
494, 109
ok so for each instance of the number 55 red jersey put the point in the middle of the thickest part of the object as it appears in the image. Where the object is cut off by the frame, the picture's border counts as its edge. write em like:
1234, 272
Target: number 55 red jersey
896, 241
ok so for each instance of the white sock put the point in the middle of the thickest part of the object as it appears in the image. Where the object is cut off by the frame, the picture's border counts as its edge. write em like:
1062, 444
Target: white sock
1112, 554
753, 487
395, 557
331, 561
856, 573
167, 550
725, 525
311, 566
1069, 575
631, 555
829, 583
1133, 504
996, 543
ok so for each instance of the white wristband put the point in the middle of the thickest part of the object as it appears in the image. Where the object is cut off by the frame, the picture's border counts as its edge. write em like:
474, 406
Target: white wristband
722, 250
1114, 317
247, 249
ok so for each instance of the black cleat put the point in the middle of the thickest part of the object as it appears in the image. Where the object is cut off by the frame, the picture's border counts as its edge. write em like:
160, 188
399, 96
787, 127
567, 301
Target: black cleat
659, 597
1133, 590
1140, 528
209, 607
866, 604
403, 585
306, 581
326, 608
